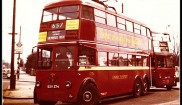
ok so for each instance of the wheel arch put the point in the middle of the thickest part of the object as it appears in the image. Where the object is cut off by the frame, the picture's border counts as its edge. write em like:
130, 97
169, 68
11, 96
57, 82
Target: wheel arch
84, 83
138, 77
145, 76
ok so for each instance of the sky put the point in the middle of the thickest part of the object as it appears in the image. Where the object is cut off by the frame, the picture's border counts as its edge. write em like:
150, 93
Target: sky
157, 14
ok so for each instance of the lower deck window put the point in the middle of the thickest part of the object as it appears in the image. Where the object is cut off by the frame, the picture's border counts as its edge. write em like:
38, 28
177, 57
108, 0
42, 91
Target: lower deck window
86, 56
102, 58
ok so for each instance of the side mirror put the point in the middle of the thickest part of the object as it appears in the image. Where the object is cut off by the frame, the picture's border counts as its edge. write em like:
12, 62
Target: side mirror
33, 49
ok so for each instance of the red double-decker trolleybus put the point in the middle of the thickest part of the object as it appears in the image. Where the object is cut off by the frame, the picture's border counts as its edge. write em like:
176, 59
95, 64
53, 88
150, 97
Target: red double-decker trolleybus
87, 52
162, 63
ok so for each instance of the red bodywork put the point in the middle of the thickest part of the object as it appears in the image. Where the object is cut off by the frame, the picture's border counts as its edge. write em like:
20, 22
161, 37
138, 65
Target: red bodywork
110, 81
163, 76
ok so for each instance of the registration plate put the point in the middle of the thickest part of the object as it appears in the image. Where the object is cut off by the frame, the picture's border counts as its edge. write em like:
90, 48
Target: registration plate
52, 86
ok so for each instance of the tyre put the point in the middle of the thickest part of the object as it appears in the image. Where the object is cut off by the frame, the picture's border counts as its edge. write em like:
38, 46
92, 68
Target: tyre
88, 95
169, 87
145, 87
137, 89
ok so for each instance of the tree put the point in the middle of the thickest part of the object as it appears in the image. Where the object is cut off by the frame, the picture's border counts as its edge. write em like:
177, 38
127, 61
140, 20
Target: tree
176, 49
31, 61
21, 63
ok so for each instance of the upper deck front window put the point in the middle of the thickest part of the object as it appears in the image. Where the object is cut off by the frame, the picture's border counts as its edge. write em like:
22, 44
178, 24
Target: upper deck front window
65, 12
87, 13
50, 15
68, 12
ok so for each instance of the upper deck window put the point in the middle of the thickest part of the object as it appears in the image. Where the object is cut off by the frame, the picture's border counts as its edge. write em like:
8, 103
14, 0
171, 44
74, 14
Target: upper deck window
87, 13
111, 20
121, 23
68, 12
143, 31
50, 15
137, 28
129, 26
100, 16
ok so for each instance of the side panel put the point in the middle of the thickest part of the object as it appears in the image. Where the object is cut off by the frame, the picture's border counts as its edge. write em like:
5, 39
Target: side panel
112, 81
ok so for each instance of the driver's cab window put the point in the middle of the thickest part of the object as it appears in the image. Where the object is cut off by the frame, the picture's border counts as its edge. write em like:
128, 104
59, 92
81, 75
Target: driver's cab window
64, 58
170, 61
44, 58
161, 61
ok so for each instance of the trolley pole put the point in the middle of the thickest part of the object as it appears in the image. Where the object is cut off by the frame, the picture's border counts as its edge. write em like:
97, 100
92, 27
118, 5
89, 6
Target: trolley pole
13, 76
122, 8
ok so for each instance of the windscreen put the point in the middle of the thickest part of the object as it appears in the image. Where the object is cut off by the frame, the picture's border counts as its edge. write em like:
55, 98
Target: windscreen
165, 61
64, 57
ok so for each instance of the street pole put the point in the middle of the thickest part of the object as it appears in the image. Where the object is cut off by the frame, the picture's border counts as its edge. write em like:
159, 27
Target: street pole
19, 42
13, 76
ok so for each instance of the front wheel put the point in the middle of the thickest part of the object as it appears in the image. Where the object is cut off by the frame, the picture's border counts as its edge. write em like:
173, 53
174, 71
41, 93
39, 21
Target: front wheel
89, 95
137, 88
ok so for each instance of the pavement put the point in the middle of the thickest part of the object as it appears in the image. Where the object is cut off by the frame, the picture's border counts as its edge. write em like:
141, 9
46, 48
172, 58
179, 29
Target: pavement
23, 89
25, 85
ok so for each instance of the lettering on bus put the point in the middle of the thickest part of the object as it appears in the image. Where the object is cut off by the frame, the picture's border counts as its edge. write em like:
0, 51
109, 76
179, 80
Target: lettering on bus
119, 77
106, 35
57, 25
54, 35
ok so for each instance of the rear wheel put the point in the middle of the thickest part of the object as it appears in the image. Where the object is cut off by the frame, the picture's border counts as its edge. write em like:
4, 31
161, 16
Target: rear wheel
137, 89
89, 95
145, 87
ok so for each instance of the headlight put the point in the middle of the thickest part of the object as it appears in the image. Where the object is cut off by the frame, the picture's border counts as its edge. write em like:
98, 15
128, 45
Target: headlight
38, 84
